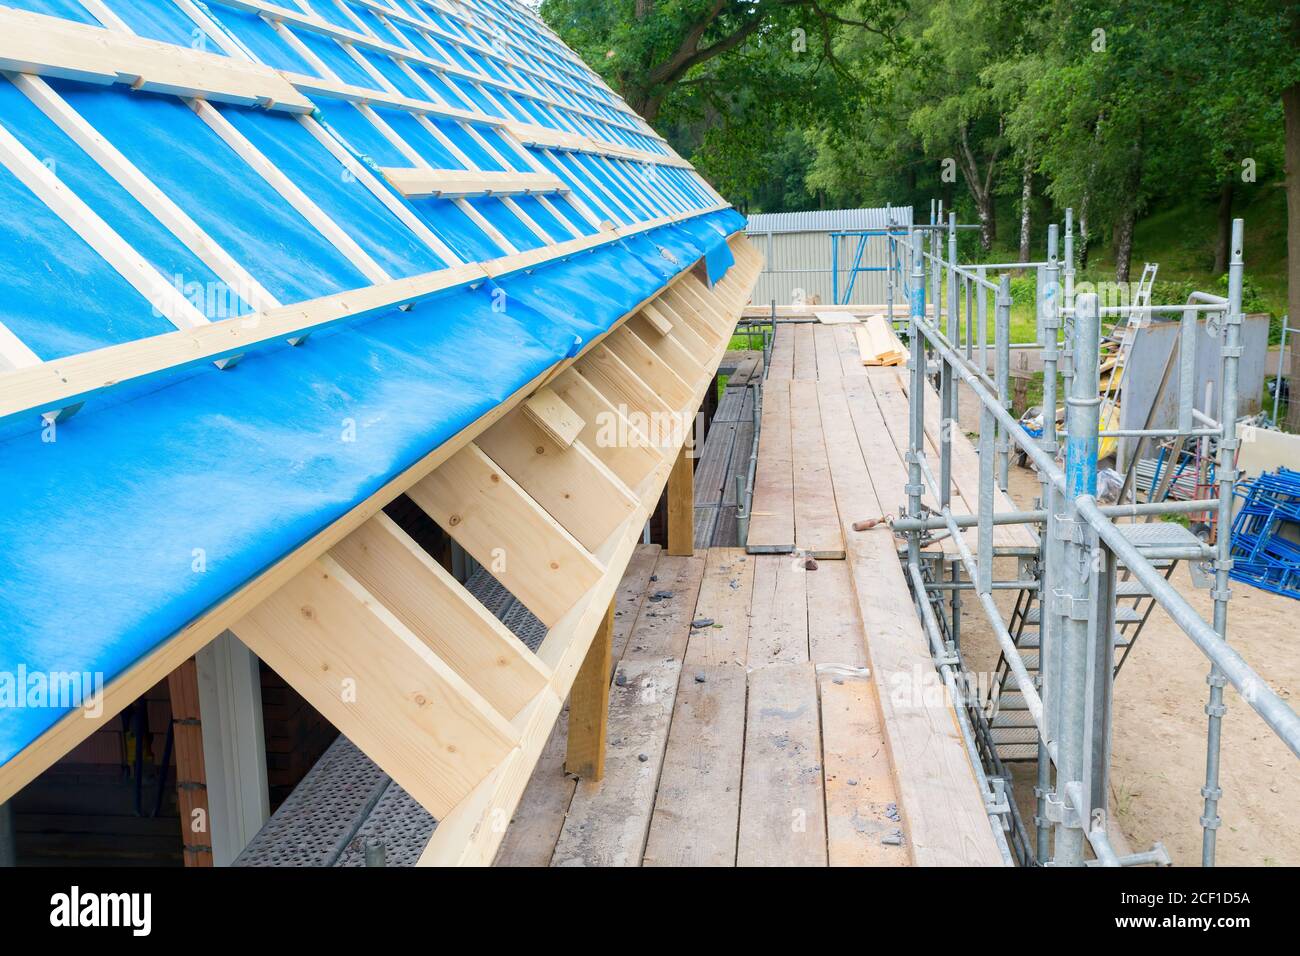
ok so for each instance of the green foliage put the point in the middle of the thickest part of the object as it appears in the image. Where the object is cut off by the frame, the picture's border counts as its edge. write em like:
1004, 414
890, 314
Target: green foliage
1147, 117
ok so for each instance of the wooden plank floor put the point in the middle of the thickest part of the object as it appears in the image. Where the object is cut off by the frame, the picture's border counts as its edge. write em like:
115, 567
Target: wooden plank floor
743, 729
797, 506
771, 710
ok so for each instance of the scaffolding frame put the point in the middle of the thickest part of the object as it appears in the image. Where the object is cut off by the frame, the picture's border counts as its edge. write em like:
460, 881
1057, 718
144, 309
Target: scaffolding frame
1081, 549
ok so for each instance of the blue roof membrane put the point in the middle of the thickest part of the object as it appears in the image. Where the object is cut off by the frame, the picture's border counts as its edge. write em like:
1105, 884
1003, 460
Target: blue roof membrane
146, 513
419, 138
176, 265
343, 197
333, 56
67, 9
511, 226
163, 20
189, 162
260, 39
39, 254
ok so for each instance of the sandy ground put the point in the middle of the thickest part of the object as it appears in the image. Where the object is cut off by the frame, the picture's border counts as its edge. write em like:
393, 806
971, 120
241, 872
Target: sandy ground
1158, 765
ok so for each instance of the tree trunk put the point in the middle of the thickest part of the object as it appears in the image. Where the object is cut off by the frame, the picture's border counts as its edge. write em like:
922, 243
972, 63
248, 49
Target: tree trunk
1124, 242
1224, 235
1291, 112
1026, 198
988, 222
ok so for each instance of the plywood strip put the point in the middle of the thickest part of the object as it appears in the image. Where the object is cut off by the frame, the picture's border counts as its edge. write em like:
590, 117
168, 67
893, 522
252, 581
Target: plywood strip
576, 489
606, 431
452, 183
547, 411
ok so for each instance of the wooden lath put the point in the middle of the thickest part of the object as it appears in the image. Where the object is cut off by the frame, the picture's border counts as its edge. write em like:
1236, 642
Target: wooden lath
65, 381
51, 47
451, 183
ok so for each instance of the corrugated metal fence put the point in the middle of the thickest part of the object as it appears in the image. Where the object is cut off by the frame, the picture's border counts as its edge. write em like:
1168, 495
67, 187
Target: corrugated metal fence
797, 246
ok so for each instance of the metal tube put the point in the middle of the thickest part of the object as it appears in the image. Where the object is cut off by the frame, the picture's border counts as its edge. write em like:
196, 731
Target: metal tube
982, 304
1225, 472
1033, 702
1083, 408
916, 405
1002, 372
1277, 377
1186, 370
1132, 510
947, 389
988, 427
1100, 841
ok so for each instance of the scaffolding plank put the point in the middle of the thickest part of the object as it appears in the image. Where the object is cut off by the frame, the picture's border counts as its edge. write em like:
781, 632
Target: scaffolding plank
663, 624
631, 594
816, 520
834, 627
697, 807
608, 822
805, 352
942, 808
771, 523
860, 828
782, 805
535, 827
725, 596
778, 629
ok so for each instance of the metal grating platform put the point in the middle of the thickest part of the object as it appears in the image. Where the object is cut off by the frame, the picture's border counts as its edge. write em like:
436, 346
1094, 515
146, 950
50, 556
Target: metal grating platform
346, 801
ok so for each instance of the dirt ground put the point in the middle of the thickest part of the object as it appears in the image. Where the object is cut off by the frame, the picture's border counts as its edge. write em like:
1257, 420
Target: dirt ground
1158, 765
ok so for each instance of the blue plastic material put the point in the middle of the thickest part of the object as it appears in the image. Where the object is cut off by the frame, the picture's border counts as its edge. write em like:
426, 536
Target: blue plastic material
263, 457
177, 266
195, 168
343, 197
163, 20
717, 261
67, 9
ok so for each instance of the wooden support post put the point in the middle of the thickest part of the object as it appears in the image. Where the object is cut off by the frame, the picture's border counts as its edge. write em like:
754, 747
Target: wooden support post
234, 745
681, 504
191, 779
589, 706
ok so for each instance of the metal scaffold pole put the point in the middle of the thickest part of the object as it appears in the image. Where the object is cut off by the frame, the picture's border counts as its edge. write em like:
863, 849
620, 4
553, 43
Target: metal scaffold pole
1225, 472
1069, 804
